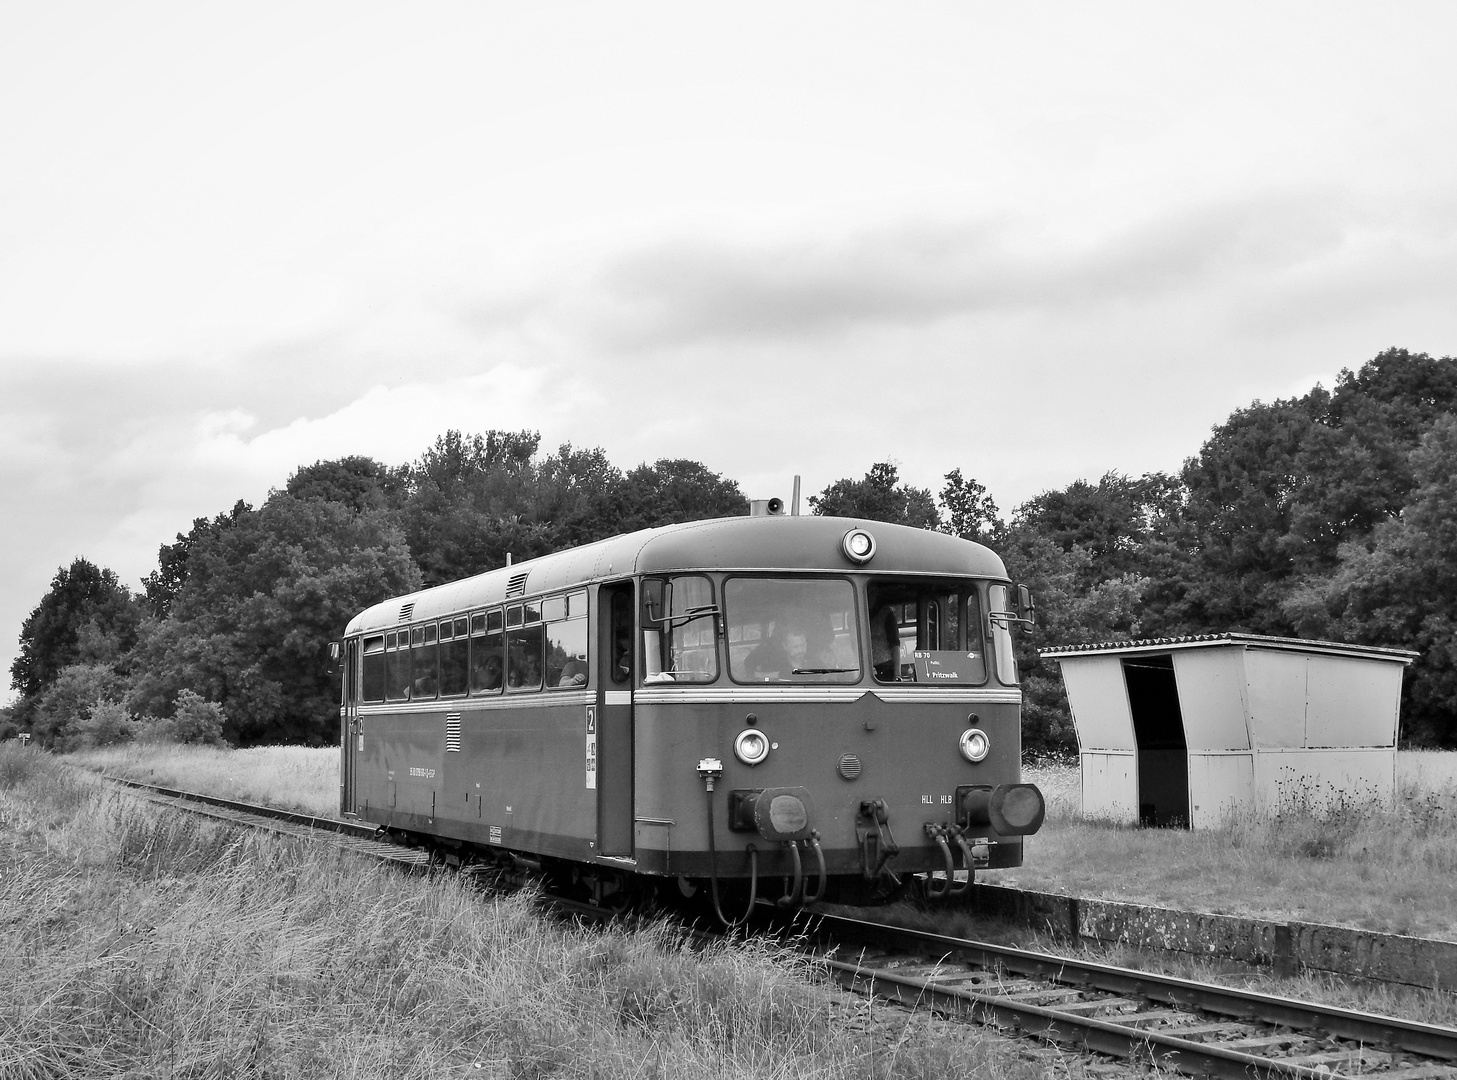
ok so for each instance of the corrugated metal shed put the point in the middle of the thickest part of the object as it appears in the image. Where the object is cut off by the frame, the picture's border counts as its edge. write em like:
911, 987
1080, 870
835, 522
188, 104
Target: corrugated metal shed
1183, 730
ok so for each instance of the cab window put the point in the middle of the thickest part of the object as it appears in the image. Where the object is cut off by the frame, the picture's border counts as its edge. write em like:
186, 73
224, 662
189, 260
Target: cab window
926, 633
680, 630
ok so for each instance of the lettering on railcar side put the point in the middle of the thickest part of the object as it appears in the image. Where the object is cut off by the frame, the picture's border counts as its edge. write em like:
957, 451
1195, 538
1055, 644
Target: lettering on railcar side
591, 747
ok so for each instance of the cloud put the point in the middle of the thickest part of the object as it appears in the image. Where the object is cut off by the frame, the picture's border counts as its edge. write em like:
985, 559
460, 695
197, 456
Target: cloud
912, 273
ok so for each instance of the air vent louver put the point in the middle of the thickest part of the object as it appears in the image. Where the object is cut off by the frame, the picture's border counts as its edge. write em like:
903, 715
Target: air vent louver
406, 610
517, 585
452, 733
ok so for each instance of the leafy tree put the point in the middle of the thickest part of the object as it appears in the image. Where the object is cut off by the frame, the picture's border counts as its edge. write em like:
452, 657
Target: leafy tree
473, 499
1398, 586
577, 497
1111, 520
970, 512
1279, 488
1242, 488
672, 490
880, 496
87, 616
469, 503
1357, 458
360, 483
1076, 605
163, 583
249, 626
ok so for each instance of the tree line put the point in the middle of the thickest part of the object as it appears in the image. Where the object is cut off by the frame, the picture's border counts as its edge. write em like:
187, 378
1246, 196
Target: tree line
1332, 515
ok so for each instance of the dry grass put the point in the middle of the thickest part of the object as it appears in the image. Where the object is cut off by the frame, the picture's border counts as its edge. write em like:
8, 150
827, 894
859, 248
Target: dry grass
1327, 860
290, 777
143, 942
1361, 865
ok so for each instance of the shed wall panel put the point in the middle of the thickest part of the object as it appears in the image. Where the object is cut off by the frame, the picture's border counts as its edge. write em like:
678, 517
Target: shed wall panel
1110, 786
1098, 698
1212, 698
1318, 780
1351, 702
1275, 689
1219, 784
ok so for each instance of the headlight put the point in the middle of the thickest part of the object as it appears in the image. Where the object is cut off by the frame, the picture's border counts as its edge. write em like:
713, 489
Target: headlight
751, 746
974, 744
858, 546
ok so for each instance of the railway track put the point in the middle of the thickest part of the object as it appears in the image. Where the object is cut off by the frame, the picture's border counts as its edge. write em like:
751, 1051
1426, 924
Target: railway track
364, 839
1195, 1028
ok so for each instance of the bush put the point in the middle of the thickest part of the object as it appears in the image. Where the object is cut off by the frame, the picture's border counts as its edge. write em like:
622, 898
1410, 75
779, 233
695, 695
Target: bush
68, 702
105, 724
194, 720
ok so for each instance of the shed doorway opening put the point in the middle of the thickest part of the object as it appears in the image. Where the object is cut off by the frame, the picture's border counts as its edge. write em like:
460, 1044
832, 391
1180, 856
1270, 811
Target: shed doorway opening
1158, 730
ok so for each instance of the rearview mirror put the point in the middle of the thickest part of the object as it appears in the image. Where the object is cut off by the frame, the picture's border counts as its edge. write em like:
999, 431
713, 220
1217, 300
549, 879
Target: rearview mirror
655, 599
1026, 608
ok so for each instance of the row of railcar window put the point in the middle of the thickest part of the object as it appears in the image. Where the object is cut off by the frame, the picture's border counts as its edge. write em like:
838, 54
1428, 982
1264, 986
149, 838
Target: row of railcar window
777, 629
521, 647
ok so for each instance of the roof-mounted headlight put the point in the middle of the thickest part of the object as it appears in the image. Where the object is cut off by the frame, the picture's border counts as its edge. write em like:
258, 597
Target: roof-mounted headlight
974, 745
858, 546
751, 746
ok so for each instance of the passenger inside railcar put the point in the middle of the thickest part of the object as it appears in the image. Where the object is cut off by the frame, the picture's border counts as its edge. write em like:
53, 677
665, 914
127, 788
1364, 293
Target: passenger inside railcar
778, 655
885, 644
486, 673
574, 672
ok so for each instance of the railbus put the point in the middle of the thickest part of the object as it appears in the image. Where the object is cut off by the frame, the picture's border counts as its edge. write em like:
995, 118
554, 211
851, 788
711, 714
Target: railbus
770, 706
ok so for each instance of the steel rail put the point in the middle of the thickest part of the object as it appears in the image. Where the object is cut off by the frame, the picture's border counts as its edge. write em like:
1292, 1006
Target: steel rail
1427, 1040
370, 840
348, 828
1116, 1040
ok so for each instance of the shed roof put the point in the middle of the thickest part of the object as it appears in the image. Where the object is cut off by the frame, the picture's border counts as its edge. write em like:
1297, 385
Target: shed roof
1253, 641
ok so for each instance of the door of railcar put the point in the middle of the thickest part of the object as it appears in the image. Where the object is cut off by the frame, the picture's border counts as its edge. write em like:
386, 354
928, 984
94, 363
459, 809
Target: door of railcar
349, 728
614, 719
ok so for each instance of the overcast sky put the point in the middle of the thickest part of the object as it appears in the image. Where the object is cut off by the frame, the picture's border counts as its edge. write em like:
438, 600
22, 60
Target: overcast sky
1033, 242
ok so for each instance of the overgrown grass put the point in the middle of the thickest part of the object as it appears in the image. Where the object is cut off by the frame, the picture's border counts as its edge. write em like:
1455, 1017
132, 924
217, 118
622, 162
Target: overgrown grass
290, 777
143, 942
1322, 857
1335, 860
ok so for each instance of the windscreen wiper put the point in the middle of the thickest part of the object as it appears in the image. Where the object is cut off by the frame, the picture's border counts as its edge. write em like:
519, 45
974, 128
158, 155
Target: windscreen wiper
823, 670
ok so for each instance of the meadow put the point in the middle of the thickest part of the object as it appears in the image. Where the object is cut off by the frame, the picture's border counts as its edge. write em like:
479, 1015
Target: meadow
1354, 864
1348, 862
141, 941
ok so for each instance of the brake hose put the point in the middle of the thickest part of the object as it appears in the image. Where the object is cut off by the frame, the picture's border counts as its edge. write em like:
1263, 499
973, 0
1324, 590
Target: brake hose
713, 872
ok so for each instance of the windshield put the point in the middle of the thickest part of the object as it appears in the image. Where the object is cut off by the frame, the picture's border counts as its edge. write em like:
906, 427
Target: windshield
791, 630
926, 632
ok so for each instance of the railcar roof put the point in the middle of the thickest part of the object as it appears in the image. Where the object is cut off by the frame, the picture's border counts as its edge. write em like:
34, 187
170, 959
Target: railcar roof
738, 543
